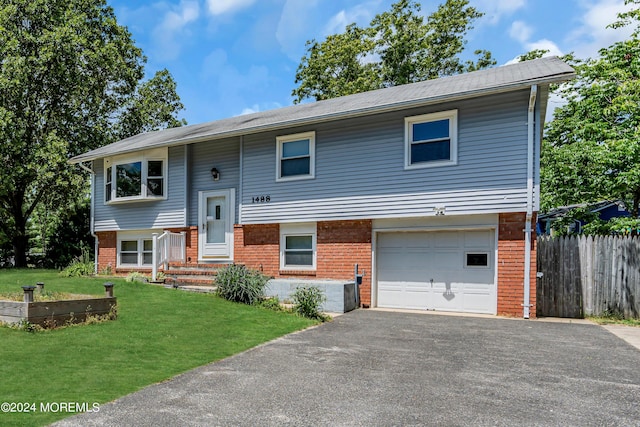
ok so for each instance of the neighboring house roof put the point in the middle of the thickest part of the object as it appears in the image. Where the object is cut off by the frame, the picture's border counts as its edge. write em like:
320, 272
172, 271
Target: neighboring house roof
561, 211
484, 82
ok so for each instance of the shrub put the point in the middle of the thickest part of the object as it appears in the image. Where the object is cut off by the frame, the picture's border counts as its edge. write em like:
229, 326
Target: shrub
307, 301
80, 266
239, 284
272, 303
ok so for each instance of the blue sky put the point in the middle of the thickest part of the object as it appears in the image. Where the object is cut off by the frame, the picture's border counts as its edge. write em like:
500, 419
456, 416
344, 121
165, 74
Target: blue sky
232, 57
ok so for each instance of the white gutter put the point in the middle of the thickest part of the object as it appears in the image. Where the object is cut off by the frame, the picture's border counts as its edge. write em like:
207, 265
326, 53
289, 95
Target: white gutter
241, 181
91, 224
527, 230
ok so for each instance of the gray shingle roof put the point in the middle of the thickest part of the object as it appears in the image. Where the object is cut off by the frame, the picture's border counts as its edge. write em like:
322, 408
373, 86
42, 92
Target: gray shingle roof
494, 80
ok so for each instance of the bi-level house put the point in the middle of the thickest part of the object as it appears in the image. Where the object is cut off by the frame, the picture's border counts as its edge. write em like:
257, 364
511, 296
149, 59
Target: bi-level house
431, 188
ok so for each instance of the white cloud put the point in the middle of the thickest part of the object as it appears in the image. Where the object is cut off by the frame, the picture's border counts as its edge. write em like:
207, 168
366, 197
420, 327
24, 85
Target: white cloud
220, 7
593, 35
360, 14
520, 31
174, 25
296, 27
494, 10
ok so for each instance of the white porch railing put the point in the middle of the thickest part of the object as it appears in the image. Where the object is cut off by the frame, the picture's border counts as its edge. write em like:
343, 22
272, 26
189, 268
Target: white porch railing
167, 247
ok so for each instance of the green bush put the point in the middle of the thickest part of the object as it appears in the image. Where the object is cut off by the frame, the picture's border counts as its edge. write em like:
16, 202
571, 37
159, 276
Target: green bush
307, 301
81, 266
239, 284
272, 303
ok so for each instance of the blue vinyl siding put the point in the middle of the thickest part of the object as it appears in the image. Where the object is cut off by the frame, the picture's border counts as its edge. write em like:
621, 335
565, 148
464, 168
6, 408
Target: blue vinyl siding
145, 215
224, 155
360, 173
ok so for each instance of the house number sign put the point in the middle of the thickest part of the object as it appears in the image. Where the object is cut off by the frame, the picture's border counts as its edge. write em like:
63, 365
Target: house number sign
261, 199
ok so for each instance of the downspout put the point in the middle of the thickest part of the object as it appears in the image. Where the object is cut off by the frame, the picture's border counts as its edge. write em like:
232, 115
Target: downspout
527, 230
91, 224
241, 181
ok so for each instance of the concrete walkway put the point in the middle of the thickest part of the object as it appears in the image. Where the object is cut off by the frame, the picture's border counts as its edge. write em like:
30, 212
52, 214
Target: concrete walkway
370, 368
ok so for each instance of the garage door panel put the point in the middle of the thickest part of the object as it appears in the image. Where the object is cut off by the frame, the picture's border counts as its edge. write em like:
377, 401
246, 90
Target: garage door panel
400, 294
480, 239
445, 260
427, 270
445, 239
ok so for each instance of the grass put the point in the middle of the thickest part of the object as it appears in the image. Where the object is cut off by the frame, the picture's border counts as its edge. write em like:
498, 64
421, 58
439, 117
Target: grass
159, 333
614, 320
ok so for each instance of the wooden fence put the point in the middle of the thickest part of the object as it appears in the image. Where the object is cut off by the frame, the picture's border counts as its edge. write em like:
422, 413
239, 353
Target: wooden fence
588, 276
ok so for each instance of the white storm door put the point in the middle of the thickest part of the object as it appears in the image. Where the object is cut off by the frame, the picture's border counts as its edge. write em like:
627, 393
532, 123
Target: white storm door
215, 228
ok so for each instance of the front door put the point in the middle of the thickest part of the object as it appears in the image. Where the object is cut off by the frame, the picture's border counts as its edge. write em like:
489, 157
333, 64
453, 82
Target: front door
217, 215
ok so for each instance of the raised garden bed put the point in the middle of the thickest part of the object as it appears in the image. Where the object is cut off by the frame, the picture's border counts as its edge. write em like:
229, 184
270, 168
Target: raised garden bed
51, 313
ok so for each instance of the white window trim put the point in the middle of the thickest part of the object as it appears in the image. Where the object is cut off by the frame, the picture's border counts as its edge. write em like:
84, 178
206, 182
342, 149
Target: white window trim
299, 229
280, 140
140, 237
144, 157
452, 115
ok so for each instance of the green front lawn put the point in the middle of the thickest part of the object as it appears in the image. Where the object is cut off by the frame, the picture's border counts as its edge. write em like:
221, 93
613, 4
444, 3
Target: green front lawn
159, 333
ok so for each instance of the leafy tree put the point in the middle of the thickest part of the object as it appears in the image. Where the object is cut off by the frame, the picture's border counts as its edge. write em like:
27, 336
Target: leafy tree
592, 147
153, 106
68, 83
398, 47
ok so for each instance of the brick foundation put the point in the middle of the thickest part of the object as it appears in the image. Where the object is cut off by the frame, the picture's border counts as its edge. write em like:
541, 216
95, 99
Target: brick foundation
340, 245
107, 250
511, 250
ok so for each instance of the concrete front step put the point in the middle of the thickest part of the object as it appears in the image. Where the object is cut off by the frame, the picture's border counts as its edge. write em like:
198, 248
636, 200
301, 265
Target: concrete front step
191, 272
195, 267
195, 288
190, 280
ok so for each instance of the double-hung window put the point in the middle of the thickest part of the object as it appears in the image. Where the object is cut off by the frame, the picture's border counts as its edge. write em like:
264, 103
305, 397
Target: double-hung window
135, 251
431, 139
136, 177
298, 246
295, 156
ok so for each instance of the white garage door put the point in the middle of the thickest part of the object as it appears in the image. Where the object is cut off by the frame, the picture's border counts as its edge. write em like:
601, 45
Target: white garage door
438, 270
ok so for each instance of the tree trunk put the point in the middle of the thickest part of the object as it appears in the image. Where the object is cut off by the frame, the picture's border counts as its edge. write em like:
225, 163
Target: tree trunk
20, 244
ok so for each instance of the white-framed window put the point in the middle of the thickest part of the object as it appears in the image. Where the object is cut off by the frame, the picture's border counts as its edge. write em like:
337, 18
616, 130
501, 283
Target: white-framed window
431, 140
135, 249
141, 176
298, 246
296, 157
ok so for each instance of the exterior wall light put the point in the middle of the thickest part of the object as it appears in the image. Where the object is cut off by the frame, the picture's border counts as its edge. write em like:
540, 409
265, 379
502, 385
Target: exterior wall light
215, 174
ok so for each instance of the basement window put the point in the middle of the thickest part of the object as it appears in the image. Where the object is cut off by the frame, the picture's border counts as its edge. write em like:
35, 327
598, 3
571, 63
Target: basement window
135, 252
298, 246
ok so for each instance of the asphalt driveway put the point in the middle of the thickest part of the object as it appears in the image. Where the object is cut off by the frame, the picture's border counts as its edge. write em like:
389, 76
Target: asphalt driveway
383, 368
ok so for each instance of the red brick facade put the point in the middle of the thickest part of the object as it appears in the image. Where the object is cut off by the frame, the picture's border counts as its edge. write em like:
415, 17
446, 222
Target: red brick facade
511, 251
342, 244
107, 251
